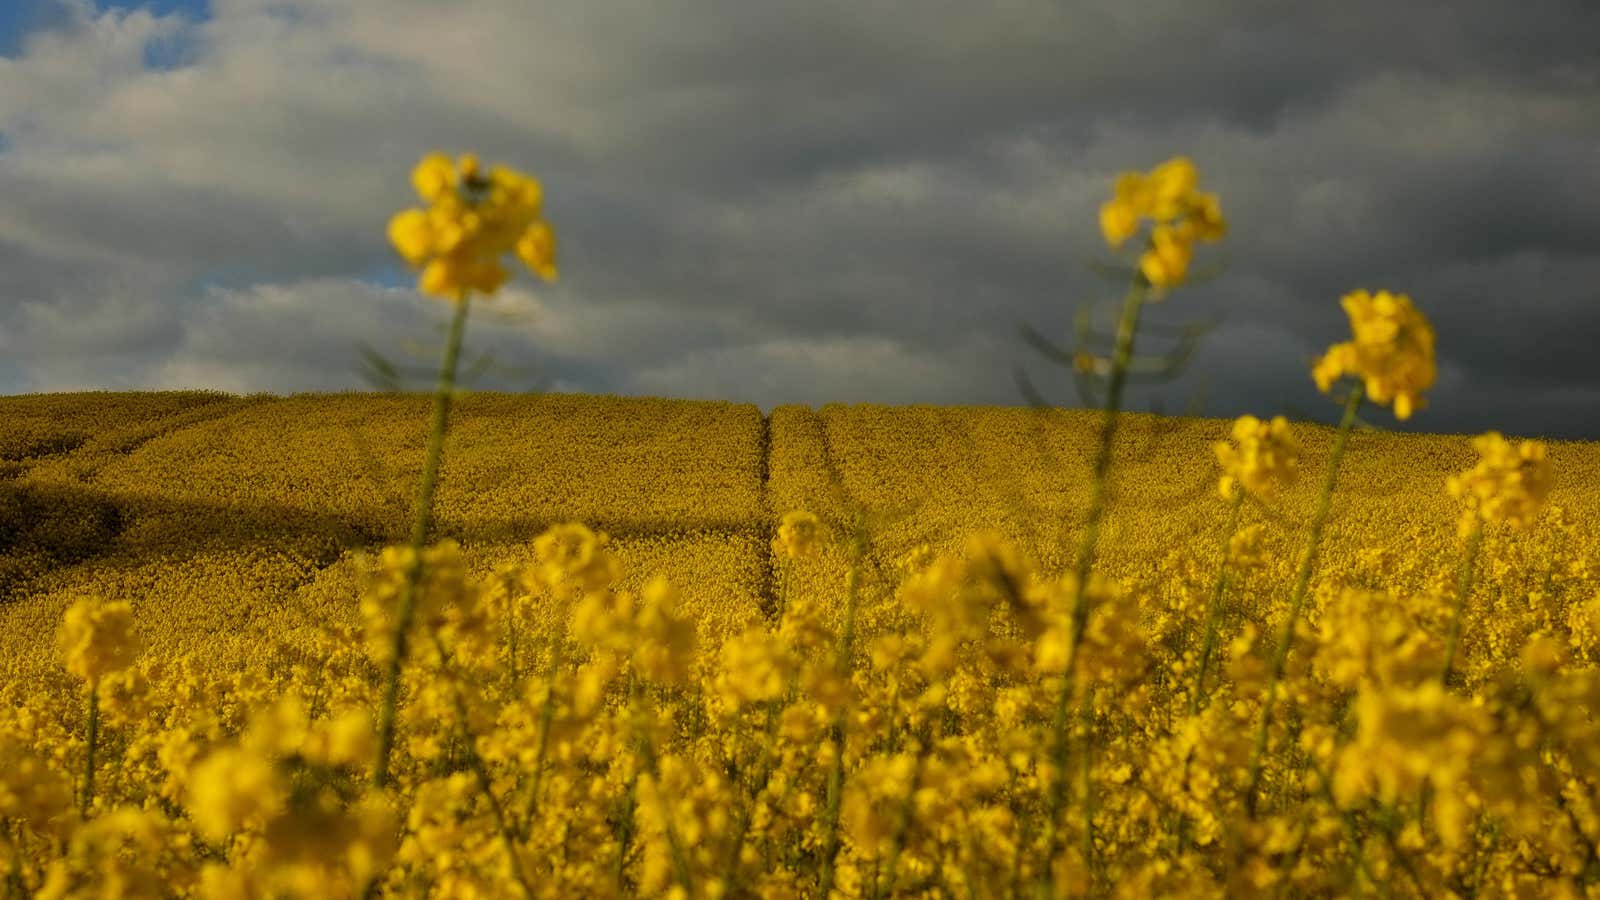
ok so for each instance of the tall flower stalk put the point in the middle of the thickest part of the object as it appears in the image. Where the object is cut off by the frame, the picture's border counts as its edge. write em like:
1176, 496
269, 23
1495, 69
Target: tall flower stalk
1508, 485
471, 220
96, 640
1392, 359
1168, 193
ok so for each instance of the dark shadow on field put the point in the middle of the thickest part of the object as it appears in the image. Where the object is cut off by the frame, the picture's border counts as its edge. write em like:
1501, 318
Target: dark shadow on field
48, 527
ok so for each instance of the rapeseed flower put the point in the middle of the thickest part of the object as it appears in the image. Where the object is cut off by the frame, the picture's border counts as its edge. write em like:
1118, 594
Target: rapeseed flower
471, 220
798, 535
1265, 461
570, 555
1392, 352
1182, 214
97, 639
1509, 484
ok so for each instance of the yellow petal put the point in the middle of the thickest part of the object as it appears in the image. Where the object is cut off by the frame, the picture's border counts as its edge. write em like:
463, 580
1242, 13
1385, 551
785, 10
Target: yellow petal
442, 278
412, 235
433, 177
537, 249
1118, 222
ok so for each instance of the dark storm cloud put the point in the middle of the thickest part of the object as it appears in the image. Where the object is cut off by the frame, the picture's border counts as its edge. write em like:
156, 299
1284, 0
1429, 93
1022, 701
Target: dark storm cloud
838, 201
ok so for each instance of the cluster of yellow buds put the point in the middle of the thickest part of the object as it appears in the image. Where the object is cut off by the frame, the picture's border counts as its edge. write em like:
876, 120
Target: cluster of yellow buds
1265, 460
471, 220
1508, 484
1392, 352
98, 639
1182, 214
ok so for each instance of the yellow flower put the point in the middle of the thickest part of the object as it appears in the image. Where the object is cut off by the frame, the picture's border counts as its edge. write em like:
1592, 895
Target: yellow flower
1509, 484
572, 554
756, 666
97, 639
666, 643
537, 249
1118, 221
1171, 185
1204, 222
1244, 548
456, 241
433, 177
797, 535
1265, 461
1167, 260
1392, 352
230, 787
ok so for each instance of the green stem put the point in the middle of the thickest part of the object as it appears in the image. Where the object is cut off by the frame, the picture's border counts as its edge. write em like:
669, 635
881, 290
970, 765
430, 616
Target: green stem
419, 535
1086, 718
475, 762
88, 756
902, 826
1463, 587
1214, 608
1207, 648
546, 715
680, 863
1127, 325
1308, 561
830, 847
626, 822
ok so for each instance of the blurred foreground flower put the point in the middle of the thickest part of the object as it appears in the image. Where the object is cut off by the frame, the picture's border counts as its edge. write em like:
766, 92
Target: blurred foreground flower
472, 219
1509, 483
1265, 460
1392, 352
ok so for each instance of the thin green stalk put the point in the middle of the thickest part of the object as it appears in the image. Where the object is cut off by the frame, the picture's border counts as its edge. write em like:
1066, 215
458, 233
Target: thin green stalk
1207, 648
903, 825
741, 825
1463, 587
88, 756
830, 847
1127, 325
475, 762
1214, 608
1086, 718
419, 536
626, 822
680, 862
1308, 561
546, 715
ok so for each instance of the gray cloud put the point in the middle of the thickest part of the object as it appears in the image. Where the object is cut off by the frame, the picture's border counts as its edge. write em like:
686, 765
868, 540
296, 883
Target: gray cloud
808, 203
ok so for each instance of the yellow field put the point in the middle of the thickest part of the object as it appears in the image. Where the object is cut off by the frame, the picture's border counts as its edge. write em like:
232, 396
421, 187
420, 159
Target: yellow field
230, 525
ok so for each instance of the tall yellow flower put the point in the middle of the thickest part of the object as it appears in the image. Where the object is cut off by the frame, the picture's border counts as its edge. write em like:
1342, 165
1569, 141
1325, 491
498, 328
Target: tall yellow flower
1392, 352
1167, 195
97, 639
570, 554
1265, 460
470, 221
1509, 484
797, 535
1167, 260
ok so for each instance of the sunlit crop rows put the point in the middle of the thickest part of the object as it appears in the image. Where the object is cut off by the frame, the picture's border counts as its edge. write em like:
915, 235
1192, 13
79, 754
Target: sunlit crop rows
658, 648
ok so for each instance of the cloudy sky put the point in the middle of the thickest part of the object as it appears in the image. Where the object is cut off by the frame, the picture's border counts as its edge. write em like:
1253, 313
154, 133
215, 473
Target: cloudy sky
827, 201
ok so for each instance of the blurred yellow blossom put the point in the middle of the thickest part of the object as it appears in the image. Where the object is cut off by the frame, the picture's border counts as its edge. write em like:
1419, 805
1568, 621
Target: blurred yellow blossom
798, 534
470, 222
1392, 352
1265, 461
1509, 483
97, 639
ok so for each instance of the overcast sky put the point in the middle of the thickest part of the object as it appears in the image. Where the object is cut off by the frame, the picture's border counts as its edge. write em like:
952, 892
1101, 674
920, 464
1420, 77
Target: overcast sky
807, 202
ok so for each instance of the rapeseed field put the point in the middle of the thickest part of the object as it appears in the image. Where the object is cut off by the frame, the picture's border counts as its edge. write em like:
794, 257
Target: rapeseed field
487, 645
